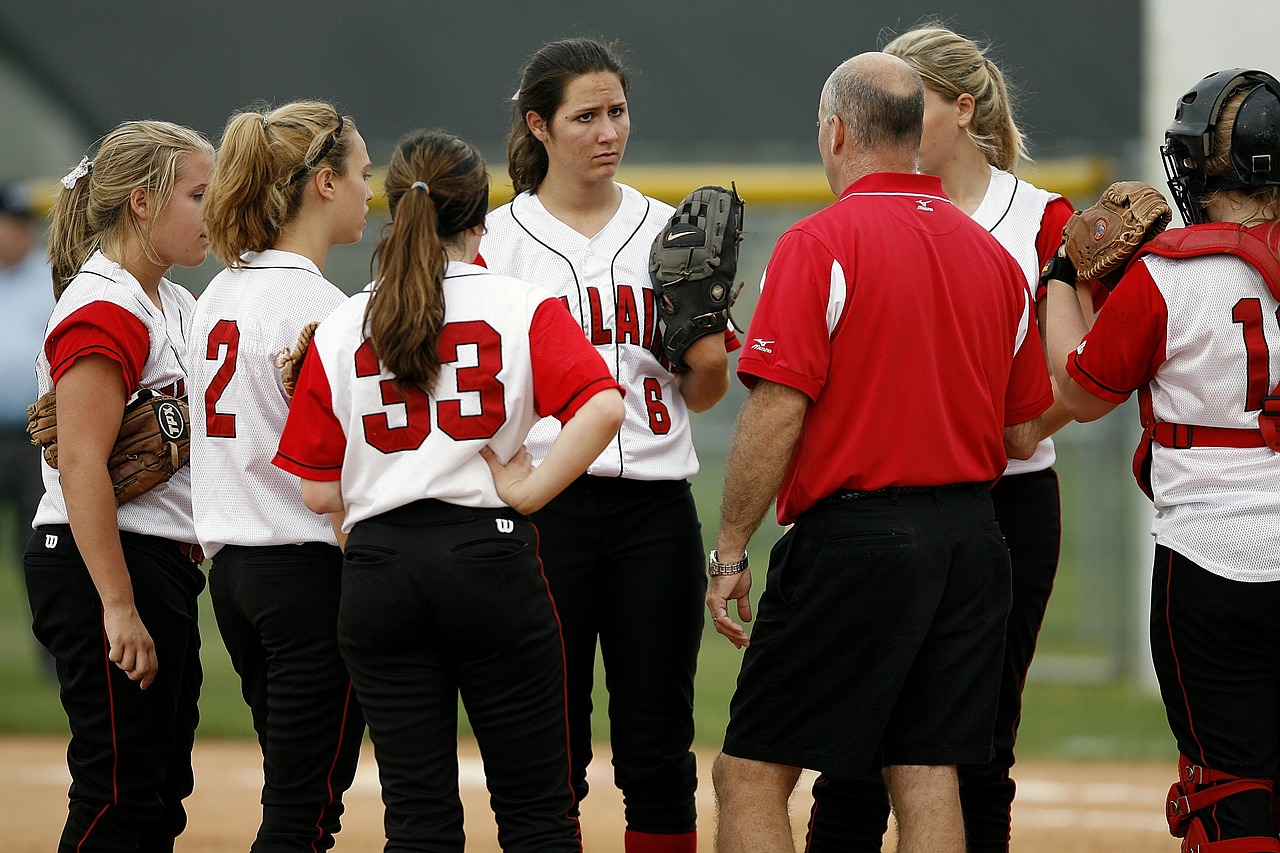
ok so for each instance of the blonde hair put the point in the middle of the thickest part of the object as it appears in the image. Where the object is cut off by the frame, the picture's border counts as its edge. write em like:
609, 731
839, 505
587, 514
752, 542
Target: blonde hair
1218, 162
437, 188
952, 65
257, 185
93, 213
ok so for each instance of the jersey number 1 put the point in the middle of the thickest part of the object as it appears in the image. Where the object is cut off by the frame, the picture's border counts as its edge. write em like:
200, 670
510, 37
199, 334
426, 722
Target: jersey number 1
1248, 313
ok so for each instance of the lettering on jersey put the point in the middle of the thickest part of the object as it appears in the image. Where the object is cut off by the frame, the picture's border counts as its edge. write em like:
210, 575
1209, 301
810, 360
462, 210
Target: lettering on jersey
634, 320
762, 345
628, 317
51, 540
505, 525
923, 204
596, 332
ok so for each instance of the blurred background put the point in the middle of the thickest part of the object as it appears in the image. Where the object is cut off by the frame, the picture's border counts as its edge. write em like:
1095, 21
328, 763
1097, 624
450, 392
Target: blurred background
721, 90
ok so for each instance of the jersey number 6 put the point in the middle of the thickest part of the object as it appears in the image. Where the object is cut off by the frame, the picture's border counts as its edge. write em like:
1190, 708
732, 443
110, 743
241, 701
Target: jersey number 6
480, 379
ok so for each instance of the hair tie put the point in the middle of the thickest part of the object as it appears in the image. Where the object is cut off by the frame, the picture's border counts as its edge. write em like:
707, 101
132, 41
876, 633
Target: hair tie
84, 167
264, 122
420, 185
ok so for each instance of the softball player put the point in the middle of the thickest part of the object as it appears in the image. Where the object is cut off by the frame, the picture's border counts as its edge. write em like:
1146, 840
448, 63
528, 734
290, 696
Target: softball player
575, 230
1192, 327
414, 393
113, 589
971, 140
289, 184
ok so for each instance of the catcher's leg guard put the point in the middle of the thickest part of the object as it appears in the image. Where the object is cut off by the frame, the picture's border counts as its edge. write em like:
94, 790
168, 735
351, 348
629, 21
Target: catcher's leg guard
1197, 789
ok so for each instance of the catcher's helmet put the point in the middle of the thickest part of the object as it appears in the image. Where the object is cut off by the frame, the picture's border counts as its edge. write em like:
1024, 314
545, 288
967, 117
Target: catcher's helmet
1255, 138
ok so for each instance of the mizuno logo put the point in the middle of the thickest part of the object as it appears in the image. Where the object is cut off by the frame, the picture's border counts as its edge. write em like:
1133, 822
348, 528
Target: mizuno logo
923, 204
762, 345
505, 525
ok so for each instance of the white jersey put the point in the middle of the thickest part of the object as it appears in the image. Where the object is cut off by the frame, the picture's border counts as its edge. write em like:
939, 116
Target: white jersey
604, 282
104, 310
510, 354
1202, 334
244, 320
1013, 212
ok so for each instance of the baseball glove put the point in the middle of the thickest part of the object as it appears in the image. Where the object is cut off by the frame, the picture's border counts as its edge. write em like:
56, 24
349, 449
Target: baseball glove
290, 362
153, 444
1100, 240
693, 263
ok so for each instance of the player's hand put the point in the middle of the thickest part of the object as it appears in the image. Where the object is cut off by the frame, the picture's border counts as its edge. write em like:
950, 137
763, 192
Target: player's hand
507, 479
721, 589
131, 646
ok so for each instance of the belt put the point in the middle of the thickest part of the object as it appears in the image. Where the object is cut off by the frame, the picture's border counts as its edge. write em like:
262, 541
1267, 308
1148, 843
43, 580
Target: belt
843, 495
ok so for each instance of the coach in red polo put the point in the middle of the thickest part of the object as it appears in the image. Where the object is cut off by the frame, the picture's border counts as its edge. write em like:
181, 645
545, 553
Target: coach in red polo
894, 366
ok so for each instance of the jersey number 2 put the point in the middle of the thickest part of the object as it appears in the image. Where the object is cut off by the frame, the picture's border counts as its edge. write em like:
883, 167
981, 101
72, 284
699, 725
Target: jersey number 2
480, 379
224, 333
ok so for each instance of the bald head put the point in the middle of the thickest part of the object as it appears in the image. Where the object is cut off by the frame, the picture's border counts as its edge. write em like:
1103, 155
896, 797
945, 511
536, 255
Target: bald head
879, 98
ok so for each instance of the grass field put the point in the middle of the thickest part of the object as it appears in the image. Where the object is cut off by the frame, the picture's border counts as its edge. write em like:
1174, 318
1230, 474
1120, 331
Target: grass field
1060, 720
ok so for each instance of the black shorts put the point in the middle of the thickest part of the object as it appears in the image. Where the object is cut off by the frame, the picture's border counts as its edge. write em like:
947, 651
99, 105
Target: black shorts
879, 635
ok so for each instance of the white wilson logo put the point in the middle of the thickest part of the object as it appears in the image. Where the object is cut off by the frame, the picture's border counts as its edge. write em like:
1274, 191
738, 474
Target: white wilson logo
50, 540
505, 525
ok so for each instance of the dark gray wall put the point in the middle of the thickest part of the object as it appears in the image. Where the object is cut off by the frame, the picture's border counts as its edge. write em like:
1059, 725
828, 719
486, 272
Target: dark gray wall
724, 79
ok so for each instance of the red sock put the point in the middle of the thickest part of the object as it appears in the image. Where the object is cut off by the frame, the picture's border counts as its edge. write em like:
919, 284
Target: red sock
651, 842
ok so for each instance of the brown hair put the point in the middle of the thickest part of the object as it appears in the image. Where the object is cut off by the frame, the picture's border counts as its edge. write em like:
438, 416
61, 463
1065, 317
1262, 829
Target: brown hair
542, 84
953, 65
93, 212
437, 188
257, 186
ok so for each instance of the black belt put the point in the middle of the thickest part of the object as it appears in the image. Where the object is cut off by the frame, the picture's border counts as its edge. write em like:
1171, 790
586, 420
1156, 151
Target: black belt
892, 492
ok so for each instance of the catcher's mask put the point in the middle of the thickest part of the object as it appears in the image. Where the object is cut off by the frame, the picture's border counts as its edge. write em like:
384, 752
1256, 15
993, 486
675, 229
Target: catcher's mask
1255, 139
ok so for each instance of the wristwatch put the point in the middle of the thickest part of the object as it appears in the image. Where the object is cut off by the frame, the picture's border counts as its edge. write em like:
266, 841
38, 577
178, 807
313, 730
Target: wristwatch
715, 567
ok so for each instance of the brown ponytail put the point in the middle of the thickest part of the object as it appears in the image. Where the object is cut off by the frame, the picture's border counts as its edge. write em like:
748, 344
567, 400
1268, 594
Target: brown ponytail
542, 85
437, 188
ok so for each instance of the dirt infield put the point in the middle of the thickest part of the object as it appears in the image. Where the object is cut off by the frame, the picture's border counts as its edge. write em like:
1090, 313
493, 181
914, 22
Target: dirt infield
1062, 807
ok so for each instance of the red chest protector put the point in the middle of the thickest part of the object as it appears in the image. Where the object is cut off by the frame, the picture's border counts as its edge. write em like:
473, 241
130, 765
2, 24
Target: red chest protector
1257, 246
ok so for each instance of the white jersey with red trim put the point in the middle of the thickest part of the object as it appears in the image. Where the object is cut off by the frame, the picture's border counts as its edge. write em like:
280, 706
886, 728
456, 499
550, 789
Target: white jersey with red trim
1202, 334
101, 299
604, 282
510, 354
1014, 211
244, 320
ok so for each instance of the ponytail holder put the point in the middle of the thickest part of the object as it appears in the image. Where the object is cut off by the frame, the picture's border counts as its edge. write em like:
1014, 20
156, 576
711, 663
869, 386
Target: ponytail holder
83, 168
420, 185
264, 122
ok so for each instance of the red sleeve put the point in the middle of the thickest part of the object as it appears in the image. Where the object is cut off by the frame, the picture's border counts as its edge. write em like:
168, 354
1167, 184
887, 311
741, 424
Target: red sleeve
1126, 345
100, 328
313, 443
1056, 214
567, 370
789, 340
1029, 393
731, 340
1049, 238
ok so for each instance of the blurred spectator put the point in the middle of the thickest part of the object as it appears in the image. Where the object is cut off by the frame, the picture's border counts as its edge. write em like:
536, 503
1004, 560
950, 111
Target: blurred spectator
26, 300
